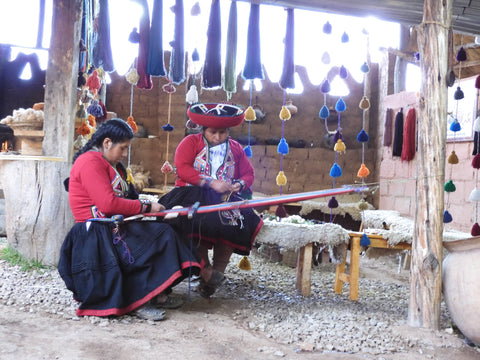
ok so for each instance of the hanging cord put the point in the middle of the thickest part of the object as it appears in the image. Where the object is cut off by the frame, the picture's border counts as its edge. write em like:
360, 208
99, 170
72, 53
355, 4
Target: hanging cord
168, 137
283, 136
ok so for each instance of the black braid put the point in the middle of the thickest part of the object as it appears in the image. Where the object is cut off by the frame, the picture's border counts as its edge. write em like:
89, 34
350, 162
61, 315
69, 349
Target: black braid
115, 129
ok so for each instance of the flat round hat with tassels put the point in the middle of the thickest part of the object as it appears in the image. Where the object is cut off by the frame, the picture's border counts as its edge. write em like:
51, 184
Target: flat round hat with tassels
216, 115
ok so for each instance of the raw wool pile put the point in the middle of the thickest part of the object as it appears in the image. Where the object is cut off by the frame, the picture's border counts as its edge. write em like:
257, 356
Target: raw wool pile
344, 208
20, 117
294, 232
141, 178
395, 228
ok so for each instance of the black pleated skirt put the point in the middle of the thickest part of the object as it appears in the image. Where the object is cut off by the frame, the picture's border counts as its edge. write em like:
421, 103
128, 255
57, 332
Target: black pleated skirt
237, 228
112, 271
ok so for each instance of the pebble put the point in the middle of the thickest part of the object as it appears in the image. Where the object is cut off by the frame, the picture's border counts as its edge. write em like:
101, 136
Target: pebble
322, 322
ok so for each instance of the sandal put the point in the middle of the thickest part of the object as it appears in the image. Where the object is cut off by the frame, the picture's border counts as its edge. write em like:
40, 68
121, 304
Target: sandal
208, 288
149, 312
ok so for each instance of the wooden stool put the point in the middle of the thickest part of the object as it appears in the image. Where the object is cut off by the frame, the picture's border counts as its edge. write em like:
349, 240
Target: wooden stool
376, 241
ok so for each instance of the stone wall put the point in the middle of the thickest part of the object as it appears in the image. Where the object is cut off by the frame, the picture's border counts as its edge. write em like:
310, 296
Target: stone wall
306, 168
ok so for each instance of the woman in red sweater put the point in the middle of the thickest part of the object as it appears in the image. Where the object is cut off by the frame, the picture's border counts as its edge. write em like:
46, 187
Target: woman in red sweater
212, 168
114, 267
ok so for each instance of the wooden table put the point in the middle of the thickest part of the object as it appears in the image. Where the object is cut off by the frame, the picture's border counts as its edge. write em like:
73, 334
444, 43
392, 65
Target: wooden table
341, 276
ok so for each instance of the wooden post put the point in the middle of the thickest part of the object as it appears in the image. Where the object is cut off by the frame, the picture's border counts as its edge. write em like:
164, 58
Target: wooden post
37, 212
304, 268
426, 271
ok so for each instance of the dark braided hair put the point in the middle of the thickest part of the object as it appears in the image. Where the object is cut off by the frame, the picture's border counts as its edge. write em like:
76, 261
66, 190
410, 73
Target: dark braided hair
115, 129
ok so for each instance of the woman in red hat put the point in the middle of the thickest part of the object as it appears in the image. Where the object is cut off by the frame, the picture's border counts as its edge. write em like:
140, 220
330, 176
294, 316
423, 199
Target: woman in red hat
212, 168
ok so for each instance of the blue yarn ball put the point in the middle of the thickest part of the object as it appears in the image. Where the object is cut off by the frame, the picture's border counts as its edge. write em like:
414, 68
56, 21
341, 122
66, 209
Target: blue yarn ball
365, 240
325, 88
324, 113
365, 68
455, 126
167, 127
248, 151
335, 171
327, 28
333, 203
447, 218
340, 105
195, 55
282, 147
362, 136
95, 109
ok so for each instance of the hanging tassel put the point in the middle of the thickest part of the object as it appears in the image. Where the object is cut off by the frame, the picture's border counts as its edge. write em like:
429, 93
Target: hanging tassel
281, 179
248, 151
477, 82
474, 195
95, 109
155, 60
398, 136
461, 54
287, 79
476, 161
192, 95
250, 114
132, 123
244, 264
452, 158
177, 57
168, 127
212, 68
335, 171
447, 217
362, 136
326, 58
365, 68
409, 136
455, 126
458, 95
83, 129
343, 73
364, 240
340, 105
132, 76
91, 121
449, 186
327, 28
282, 147
340, 146
285, 113
363, 172
324, 113
345, 38
475, 230
93, 82
325, 88
166, 168
364, 103
332, 203
253, 63
230, 73
281, 212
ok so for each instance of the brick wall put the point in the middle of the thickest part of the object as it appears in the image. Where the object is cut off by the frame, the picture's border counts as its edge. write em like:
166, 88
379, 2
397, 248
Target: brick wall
398, 178
305, 168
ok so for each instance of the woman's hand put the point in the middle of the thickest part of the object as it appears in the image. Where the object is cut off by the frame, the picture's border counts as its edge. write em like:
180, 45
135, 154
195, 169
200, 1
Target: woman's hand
156, 207
221, 186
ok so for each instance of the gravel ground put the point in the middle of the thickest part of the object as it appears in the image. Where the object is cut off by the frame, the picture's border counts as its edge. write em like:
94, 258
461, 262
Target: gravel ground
271, 307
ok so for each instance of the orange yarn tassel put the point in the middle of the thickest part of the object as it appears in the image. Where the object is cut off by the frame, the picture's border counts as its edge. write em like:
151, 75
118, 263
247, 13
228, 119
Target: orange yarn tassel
83, 129
91, 120
133, 124
363, 171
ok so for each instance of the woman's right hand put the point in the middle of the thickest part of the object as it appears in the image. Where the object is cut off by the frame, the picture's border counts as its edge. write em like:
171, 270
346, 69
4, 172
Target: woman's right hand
156, 207
221, 186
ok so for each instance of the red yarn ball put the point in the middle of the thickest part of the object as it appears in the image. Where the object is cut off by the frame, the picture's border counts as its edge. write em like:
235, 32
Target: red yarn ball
475, 230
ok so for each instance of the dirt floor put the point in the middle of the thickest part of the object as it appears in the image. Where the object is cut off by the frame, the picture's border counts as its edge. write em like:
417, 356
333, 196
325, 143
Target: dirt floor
201, 329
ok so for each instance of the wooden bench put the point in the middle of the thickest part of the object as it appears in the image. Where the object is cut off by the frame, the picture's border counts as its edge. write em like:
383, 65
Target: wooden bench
341, 276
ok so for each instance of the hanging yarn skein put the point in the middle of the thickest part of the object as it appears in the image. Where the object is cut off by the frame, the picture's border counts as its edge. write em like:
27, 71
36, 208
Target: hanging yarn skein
409, 136
287, 79
230, 74
253, 64
398, 134
144, 81
177, 57
155, 63
212, 68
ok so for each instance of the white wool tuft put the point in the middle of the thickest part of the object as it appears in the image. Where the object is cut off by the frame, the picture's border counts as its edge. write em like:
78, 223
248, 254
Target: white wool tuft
400, 229
293, 236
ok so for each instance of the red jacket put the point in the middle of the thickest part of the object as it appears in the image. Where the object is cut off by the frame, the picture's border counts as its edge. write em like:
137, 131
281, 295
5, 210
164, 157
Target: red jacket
193, 167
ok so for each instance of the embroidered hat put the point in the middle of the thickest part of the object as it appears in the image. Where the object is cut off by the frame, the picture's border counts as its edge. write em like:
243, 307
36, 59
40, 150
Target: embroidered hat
214, 115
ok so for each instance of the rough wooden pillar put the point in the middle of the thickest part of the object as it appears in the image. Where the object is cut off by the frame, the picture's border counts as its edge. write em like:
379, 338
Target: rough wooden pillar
37, 212
426, 271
